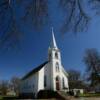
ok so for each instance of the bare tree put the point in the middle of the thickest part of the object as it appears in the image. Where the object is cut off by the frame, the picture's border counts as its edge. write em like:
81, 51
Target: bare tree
10, 34
74, 75
4, 87
76, 17
75, 80
15, 84
96, 5
36, 12
92, 60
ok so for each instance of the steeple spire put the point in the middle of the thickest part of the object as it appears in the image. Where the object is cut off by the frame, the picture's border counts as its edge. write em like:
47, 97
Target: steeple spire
53, 45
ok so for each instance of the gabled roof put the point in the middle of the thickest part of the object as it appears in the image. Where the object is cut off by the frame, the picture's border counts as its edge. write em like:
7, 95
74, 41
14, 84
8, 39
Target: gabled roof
34, 70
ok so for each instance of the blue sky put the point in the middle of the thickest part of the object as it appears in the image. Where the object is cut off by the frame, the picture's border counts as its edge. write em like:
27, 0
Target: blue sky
34, 47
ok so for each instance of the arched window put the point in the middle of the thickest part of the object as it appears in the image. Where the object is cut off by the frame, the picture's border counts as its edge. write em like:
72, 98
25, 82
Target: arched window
56, 55
57, 78
57, 67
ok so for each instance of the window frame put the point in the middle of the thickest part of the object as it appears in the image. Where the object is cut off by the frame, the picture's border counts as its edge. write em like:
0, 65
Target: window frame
57, 67
56, 55
63, 82
45, 81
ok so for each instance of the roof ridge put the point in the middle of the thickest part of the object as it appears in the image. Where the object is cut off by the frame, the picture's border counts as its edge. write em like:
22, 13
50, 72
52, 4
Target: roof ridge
34, 70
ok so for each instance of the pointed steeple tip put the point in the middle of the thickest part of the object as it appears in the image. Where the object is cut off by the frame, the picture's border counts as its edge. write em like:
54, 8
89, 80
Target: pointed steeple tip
54, 45
52, 30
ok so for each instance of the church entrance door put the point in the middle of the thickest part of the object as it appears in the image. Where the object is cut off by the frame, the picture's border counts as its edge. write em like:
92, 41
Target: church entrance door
57, 83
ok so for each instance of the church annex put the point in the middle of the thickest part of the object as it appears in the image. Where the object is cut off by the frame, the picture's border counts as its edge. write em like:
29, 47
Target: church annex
50, 75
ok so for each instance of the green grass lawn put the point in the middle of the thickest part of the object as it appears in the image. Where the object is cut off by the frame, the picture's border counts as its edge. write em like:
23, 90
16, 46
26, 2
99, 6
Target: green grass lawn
3, 97
90, 95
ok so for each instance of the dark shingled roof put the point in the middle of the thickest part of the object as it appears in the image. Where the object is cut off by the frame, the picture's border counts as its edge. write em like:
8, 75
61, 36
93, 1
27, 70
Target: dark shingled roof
34, 70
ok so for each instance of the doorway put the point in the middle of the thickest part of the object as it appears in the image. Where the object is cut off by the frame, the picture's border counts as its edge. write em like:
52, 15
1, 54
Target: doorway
57, 83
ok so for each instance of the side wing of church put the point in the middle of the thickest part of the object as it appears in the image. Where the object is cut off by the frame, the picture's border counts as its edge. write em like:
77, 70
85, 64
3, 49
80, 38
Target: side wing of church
50, 75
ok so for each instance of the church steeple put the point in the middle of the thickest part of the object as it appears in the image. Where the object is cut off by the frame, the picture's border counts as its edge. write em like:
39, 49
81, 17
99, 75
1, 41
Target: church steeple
53, 50
53, 42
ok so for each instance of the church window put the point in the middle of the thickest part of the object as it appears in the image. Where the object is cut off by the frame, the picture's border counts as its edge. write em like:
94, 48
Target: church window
57, 78
45, 79
49, 56
56, 55
63, 82
57, 67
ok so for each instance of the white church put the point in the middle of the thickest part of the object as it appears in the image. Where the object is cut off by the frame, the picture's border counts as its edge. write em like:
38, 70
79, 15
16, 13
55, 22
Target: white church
50, 75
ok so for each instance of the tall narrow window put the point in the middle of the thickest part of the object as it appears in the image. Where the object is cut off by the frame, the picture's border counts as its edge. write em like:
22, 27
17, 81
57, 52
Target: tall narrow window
56, 55
45, 81
49, 56
57, 67
63, 82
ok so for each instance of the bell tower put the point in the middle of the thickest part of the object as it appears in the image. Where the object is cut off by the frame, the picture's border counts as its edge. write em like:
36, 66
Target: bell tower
54, 58
53, 51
